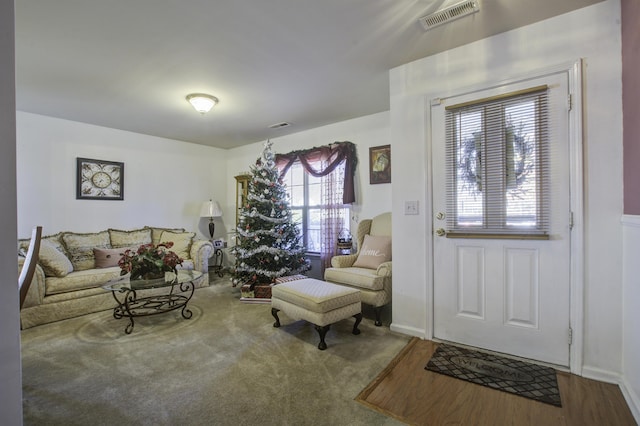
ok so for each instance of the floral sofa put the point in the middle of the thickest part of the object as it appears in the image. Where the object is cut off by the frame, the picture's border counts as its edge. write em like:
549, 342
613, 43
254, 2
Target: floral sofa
72, 267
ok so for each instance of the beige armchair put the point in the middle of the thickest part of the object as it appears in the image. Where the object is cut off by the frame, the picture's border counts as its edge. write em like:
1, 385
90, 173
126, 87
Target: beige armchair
368, 270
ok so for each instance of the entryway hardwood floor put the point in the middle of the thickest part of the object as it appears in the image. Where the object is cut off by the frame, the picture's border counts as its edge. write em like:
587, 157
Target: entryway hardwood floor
408, 392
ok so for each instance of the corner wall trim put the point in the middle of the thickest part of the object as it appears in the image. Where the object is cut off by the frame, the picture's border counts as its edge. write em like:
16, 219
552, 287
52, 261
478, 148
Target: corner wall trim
410, 331
630, 220
633, 401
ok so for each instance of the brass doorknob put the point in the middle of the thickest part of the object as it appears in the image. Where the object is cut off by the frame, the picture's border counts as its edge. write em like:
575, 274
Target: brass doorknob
440, 232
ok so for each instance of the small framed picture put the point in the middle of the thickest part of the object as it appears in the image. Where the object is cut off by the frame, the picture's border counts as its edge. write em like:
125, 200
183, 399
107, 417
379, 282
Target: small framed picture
380, 164
219, 243
99, 179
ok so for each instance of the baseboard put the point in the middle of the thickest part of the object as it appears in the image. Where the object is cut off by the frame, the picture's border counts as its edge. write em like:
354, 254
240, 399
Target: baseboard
633, 401
410, 331
602, 375
255, 300
631, 398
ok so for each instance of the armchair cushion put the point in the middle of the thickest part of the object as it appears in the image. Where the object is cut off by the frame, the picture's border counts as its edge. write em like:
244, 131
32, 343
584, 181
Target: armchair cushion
343, 261
374, 251
356, 277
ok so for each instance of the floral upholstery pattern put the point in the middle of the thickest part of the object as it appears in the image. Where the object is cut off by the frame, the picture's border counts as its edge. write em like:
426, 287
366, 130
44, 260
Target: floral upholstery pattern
80, 248
134, 238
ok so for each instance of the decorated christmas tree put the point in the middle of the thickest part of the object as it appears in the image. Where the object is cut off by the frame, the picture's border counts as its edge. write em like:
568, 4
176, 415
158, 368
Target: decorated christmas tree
268, 242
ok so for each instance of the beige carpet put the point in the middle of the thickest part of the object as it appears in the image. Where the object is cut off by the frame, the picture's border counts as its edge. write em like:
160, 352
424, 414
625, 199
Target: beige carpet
227, 365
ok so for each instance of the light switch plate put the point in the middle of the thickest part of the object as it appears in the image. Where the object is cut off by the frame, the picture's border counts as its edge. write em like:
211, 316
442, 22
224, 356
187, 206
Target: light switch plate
411, 207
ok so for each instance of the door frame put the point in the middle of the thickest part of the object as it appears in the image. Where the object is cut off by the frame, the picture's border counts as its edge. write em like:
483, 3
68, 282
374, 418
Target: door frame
574, 70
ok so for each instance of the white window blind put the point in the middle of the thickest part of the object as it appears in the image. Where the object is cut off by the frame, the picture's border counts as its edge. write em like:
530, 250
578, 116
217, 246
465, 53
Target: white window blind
498, 166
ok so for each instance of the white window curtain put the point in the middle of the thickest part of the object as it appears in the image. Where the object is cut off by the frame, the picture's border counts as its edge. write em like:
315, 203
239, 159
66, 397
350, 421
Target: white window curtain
334, 214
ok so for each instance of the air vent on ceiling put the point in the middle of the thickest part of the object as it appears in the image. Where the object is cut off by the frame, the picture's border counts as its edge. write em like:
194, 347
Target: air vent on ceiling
449, 14
279, 125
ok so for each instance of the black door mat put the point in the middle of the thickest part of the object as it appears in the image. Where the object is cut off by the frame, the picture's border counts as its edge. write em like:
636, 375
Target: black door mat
508, 375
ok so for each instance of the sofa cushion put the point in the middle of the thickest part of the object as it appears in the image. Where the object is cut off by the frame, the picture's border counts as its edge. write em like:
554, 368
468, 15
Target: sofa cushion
181, 242
374, 251
156, 232
23, 244
108, 258
80, 248
134, 238
53, 261
79, 280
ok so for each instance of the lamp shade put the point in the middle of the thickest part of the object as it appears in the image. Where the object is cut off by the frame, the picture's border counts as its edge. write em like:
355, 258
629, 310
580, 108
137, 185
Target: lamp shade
210, 209
202, 102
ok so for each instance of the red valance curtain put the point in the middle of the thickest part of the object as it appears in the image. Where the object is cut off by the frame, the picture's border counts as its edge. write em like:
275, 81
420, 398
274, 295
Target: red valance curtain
321, 162
330, 155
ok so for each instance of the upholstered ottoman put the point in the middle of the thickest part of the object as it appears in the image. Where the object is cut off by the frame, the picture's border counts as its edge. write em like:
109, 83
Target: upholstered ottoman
318, 302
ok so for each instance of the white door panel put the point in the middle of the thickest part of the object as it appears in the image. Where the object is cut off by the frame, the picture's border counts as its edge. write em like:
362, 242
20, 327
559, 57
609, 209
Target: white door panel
502, 294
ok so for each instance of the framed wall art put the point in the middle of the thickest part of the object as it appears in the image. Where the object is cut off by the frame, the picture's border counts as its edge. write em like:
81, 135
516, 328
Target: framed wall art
380, 164
99, 179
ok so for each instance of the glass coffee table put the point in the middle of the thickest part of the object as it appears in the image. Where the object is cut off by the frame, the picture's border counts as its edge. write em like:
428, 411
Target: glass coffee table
178, 290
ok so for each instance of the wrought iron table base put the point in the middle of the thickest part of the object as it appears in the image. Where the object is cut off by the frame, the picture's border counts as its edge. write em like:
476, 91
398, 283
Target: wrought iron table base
131, 306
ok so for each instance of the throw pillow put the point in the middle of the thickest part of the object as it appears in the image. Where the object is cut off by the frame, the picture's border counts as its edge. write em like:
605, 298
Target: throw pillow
374, 251
53, 262
23, 244
80, 248
181, 242
134, 238
156, 232
108, 258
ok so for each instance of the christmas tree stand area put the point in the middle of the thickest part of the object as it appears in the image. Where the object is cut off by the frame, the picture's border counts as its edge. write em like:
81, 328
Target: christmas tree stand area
261, 293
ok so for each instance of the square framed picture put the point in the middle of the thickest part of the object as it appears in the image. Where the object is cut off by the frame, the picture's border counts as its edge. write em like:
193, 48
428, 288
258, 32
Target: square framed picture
380, 164
99, 179
219, 244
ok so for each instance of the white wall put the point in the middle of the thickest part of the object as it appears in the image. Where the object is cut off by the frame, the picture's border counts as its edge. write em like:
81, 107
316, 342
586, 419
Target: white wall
592, 33
165, 181
10, 374
631, 312
365, 132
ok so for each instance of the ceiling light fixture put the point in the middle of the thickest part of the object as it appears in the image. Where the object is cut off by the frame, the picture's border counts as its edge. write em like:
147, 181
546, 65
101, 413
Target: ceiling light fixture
202, 102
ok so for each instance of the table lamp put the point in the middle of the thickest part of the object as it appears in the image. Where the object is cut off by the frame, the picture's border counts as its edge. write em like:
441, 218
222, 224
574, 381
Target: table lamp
211, 209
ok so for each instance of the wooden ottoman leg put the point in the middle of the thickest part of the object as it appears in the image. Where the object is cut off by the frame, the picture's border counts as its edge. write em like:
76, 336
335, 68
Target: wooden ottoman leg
322, 331
358, 318
274, 312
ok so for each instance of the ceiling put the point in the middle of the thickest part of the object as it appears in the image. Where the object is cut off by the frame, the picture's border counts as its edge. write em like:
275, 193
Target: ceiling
129, 64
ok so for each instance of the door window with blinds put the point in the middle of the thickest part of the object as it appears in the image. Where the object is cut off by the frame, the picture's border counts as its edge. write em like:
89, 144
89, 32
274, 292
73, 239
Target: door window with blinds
497, 166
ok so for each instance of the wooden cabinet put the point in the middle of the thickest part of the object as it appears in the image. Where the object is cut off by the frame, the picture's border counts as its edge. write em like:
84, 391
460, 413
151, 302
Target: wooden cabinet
242, 189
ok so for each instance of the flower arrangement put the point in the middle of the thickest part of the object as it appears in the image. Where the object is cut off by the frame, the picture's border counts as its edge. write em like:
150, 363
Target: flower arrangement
149, 261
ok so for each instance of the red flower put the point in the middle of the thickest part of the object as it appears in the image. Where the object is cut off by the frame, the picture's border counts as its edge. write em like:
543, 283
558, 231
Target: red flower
149, 259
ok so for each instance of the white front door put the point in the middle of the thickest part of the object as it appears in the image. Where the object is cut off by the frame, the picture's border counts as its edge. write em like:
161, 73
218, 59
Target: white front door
507, 293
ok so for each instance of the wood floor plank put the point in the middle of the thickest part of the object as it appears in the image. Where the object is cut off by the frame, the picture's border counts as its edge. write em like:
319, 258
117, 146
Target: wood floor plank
408, 392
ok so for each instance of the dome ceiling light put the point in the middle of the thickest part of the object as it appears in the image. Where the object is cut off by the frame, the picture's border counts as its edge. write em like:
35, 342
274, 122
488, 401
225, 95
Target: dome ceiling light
202, 102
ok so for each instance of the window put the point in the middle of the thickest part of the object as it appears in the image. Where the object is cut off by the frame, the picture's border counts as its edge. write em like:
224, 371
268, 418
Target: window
306, 195
497, 165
